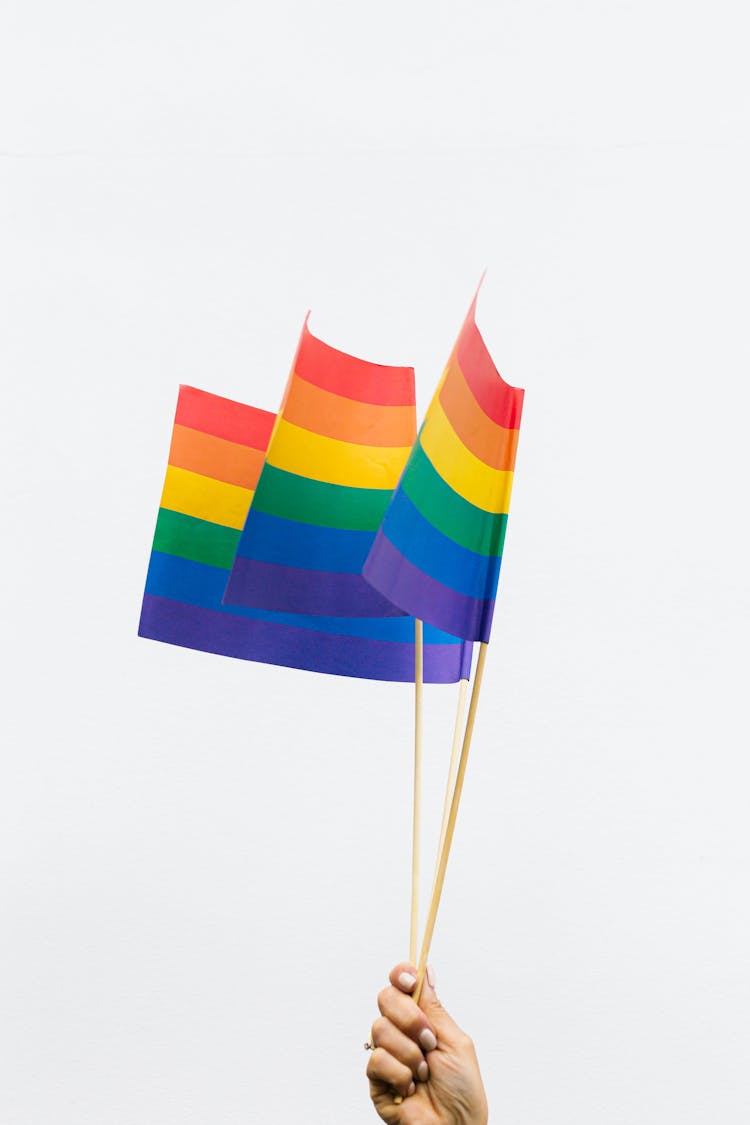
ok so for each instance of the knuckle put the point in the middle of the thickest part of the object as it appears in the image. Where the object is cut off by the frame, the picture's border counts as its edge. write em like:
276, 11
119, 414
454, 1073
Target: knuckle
374, 1064
378, 1028
383, 997
465, 1043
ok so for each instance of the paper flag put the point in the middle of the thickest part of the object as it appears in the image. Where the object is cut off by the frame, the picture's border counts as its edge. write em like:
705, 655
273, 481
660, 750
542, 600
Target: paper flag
438, 552
344, 432
215, 459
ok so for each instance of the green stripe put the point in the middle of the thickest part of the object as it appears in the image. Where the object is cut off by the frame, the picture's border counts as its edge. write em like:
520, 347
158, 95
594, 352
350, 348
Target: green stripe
479, 531
325, 505
199, 540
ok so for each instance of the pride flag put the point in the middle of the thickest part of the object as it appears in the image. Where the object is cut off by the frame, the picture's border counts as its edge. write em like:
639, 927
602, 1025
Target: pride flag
215, 459
341, 440
437, 554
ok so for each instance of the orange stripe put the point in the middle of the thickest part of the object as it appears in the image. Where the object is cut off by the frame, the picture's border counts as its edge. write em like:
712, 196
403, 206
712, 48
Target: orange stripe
493, 444
215, 457
345, 419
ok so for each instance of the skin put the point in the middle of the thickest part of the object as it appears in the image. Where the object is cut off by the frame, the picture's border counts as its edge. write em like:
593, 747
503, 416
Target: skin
423, 1069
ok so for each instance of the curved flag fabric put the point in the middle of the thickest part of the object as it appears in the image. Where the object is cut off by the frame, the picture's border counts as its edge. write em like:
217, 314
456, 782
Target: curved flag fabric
215, 459
438, 552
341, 440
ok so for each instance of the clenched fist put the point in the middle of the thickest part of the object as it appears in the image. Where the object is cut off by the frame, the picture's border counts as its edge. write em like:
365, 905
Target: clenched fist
423, 1069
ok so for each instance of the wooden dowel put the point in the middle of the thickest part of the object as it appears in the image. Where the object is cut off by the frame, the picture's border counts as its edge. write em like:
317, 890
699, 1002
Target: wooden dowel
437, 890
416, 817
450, 785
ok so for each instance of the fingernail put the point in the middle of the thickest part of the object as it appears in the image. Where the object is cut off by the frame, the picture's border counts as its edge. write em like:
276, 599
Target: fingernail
412, 1090
397, 1100
407, 981
427, 1039
423, 1071
430, 976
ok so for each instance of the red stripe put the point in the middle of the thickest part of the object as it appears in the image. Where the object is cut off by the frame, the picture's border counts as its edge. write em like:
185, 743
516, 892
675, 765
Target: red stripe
500, 402
224, 418
345, 375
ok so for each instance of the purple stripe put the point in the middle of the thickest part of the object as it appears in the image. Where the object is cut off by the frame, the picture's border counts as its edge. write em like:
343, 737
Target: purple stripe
285, 589
467, 651
210, 630
418, 594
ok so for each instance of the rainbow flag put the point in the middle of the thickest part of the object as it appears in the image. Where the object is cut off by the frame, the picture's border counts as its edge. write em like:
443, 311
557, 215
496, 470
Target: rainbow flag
216, 455
437, 554
341, 440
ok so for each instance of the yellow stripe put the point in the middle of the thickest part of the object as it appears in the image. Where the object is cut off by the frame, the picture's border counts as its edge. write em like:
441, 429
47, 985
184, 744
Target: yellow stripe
483, 486
205, 498
335, 462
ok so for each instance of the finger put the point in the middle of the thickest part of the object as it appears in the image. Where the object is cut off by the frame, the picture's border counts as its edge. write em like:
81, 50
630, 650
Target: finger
385, 1034
384, 1068
444, 1026
403, 976
404, 1013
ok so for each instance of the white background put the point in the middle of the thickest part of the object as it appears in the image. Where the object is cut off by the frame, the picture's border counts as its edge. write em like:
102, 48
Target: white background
205, 863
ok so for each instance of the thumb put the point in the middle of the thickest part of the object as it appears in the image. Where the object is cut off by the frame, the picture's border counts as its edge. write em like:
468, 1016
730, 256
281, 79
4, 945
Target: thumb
445, 1026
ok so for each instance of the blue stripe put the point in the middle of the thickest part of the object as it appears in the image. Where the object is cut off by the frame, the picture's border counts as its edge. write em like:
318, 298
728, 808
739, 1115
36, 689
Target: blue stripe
305, 546
200, 585
433, 553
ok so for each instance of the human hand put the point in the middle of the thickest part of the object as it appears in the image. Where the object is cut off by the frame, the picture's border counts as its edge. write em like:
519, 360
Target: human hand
423, 1069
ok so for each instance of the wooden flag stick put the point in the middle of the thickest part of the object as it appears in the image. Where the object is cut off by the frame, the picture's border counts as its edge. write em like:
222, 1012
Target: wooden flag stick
463, 689
437, 890
416, 818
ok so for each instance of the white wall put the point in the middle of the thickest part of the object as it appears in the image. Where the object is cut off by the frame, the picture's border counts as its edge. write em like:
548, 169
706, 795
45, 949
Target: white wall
204, 863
